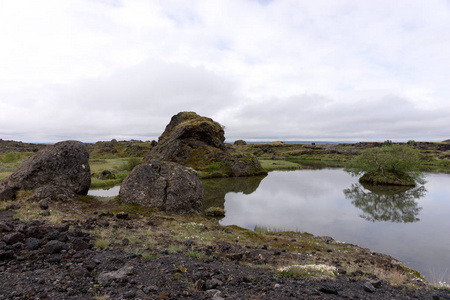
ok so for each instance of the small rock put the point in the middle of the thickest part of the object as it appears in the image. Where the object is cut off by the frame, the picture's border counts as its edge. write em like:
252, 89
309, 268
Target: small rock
199, 285
211, 284
163, 295
122, 216
13, 238
45, 213
377, 284
55, 246
277, 286
368, 287
106, 278
79, 244
43, 204
328, 290
6, 255
77, 272
21, 227
63, 227
4, 227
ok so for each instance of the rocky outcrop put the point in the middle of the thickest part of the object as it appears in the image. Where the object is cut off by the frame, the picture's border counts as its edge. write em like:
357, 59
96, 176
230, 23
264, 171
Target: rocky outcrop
198, 142
164, 185
64, 165
13, 146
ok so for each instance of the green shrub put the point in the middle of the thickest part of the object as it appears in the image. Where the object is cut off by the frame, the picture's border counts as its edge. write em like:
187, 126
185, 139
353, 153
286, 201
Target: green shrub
390, 164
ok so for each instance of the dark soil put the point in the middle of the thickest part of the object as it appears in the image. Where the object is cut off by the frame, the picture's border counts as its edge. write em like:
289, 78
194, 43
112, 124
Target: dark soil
43, 261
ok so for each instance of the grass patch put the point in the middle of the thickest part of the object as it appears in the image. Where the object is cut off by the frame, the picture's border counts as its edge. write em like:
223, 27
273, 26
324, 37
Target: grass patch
215, 212
102, 243
104, 183
273, 165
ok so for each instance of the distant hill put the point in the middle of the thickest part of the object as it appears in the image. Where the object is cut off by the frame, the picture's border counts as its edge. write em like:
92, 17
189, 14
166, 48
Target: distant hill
446, 141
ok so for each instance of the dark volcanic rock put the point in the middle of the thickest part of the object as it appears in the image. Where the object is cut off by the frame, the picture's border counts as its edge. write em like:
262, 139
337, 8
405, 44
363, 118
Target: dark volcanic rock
198, 142
53, 193
164, 185
65, 164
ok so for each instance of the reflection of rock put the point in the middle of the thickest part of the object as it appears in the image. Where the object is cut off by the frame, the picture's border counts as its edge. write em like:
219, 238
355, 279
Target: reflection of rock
164, 185
65, 164
386, 203
106, 174
198, 142
216, 189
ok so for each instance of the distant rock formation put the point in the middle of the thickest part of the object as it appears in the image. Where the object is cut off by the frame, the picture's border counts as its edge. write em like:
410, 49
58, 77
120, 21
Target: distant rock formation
164, 185
198, 142
64, 165
13, 146
240, 143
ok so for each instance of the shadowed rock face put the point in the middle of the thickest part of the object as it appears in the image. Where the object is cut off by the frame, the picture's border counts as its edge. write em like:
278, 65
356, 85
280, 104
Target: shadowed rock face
198, 142
164, 185
65, 165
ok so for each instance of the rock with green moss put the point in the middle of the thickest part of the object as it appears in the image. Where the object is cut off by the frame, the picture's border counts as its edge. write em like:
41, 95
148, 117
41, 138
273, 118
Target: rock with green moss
198, 142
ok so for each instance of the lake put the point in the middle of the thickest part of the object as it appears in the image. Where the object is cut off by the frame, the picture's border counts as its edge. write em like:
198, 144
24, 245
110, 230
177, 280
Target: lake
411, 224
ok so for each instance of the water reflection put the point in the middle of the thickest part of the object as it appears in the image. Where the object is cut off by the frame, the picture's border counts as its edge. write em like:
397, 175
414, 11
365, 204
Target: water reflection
386, 203
214, 190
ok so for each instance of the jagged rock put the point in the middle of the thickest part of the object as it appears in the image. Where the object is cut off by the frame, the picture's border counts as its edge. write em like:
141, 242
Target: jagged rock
164, 185
198, 142
65, 165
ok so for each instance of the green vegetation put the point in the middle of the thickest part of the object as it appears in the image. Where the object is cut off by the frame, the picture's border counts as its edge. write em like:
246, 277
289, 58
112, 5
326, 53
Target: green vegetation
215, 212
391, 164
10, 161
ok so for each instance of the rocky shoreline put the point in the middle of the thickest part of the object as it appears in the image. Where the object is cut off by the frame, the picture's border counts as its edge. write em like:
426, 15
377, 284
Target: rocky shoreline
39, 260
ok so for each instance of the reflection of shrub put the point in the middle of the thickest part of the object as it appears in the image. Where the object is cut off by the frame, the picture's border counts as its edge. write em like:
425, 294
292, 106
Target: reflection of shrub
215, 212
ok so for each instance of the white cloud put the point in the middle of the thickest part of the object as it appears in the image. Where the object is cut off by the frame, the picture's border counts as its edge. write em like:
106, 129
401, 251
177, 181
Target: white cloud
266, 69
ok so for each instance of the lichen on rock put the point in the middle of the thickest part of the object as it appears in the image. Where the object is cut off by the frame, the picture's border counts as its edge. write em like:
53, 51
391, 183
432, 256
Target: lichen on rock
64, 165
167, 186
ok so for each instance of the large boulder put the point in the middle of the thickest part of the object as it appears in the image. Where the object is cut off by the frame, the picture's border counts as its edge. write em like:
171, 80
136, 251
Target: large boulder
198, 142
164, 185
64, 165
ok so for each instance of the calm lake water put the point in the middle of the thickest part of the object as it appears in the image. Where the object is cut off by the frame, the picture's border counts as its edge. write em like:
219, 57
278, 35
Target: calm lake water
410, 224
109, 192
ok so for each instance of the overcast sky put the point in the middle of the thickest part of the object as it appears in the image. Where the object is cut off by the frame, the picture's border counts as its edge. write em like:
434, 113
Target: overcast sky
341, 70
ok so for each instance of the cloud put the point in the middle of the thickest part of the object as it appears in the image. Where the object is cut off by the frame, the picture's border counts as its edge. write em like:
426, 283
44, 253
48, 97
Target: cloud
265, 69
135, 102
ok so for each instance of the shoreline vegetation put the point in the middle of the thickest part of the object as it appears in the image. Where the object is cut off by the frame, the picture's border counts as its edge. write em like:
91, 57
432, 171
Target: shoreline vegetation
151, 232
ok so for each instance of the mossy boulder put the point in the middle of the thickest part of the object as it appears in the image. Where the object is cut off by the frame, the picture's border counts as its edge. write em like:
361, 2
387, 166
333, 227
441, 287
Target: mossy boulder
198, 142
65, 165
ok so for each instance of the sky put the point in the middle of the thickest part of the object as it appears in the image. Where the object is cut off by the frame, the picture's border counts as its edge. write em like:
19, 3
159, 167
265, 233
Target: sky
290, 70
